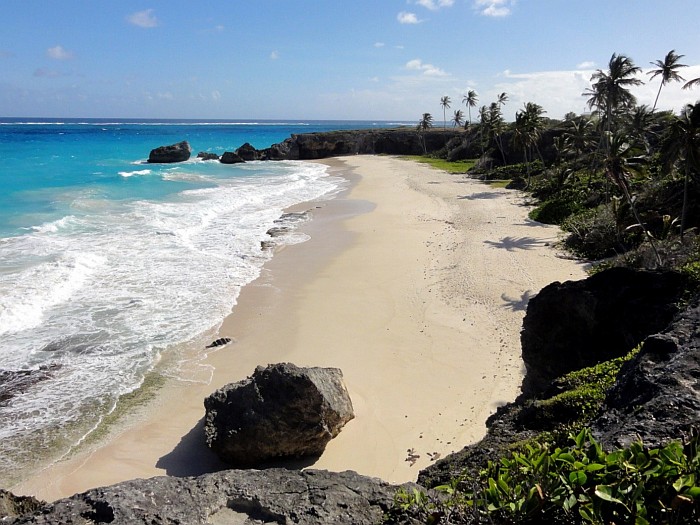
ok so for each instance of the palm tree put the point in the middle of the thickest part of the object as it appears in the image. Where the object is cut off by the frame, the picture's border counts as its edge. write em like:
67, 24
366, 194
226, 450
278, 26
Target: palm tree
682, 146
424, 124
667, 71
621, 162
496, 126
458, 119
502, 99
610, 90
528, 129
470, 99
445, 103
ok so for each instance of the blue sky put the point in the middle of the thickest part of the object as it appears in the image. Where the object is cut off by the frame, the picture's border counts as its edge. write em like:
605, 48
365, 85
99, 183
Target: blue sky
327, 59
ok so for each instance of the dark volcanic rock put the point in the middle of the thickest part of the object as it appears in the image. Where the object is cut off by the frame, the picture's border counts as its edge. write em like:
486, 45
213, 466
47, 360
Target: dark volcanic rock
249, 497
280, 411
12, 506
13, 382
174, 153
248, 152
230, 157
657, 396
576, 324
403, 141
205, 155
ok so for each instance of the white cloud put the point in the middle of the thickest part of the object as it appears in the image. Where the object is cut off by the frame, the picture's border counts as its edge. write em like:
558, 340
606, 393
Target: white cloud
434, 5
407, 18
167, 95
379, 44
144, 18
427, 69
495, 8
274, 55
216, 95
59, 53
588, 64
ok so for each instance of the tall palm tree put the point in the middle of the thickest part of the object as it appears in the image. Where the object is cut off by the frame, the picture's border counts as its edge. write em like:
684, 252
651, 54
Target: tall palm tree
682, 146
424, 124
528, 129
610, 91
667, 69
458, 119
496, 126
502, 99
621, 162
470, 99
445, 103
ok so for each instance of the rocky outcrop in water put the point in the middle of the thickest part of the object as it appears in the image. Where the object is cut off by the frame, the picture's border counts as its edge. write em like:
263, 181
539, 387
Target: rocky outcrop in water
249, 497
230, 157
572, 325
179, 152
281, 411
14, 382
205, 155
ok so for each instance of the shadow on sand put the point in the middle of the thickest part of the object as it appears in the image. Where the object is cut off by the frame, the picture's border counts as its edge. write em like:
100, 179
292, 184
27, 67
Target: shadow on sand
192, 457
516, 243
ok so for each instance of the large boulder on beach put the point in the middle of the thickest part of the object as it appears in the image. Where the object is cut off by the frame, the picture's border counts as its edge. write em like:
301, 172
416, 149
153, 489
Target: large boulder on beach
572, 325
281, 411
179, 152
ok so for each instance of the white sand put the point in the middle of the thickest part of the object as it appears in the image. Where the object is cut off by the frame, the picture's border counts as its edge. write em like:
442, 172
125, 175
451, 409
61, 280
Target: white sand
414, 284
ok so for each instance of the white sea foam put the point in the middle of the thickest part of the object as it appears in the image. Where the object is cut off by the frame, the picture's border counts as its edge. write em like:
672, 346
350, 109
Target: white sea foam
133, 173
103, 293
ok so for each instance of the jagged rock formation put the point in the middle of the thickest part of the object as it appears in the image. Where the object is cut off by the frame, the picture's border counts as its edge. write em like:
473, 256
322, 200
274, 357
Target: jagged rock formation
205, 155
572, 325
248, 152
657, 395
280, 411
251, 497
179, 152
12, 506
230, 157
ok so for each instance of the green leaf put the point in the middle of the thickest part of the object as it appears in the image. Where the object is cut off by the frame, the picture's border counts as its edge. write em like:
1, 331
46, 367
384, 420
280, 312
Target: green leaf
593, 467
578, 478
566, 457
605, 492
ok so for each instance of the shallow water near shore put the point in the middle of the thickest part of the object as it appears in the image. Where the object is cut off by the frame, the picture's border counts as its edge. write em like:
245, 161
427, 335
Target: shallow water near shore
108, 265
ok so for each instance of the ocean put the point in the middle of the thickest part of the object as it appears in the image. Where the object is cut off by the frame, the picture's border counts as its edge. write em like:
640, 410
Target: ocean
109, 264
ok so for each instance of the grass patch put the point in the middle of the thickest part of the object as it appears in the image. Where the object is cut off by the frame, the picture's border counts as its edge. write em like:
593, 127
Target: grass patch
456, 167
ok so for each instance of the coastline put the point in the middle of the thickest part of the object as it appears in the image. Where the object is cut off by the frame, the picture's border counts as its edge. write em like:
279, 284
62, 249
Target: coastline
413, 283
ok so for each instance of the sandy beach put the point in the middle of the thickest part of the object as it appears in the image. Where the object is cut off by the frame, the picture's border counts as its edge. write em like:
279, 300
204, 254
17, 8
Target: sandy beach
414, 283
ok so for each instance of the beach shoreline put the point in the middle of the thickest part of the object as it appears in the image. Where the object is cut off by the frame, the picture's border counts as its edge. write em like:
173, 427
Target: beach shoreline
413, 283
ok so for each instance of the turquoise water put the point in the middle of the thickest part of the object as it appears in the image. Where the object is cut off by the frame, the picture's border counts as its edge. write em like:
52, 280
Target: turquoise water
107, 263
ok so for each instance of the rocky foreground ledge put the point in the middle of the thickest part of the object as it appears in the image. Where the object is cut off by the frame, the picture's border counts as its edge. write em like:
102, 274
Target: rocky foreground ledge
249, 497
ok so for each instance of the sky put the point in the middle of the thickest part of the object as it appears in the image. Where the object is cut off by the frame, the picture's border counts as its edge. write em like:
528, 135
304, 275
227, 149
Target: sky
329, 59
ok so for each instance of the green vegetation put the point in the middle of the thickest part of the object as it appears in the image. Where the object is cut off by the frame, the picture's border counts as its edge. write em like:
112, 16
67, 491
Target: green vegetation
461, 166
579, 400
579, 483
623, 182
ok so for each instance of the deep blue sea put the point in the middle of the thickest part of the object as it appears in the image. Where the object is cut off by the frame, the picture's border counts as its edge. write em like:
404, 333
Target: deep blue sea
107, 263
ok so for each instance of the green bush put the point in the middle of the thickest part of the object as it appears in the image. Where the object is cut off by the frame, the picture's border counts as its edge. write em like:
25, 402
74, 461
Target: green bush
577, 484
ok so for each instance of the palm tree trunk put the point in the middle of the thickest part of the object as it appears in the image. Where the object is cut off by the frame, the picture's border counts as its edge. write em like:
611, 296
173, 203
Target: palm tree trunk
657, 97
